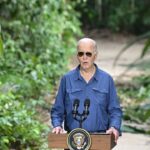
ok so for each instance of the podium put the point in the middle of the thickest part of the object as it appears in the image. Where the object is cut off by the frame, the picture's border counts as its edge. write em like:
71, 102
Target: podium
99, 141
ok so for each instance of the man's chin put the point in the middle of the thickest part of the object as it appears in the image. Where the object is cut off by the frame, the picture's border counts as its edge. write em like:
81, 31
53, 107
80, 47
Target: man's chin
85, 68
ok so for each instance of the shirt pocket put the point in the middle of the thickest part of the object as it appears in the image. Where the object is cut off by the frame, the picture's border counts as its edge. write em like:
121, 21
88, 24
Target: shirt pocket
100, 96
73, 94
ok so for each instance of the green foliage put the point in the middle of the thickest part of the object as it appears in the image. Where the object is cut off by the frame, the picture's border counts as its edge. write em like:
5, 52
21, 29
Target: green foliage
1, 43
89, 14
139, 89
135, 99
18, 129
38, 38
124, 15
138, 114
117, 15
1, 46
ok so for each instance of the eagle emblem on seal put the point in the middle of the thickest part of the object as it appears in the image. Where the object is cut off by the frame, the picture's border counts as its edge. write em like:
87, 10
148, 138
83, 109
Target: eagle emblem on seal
79, 140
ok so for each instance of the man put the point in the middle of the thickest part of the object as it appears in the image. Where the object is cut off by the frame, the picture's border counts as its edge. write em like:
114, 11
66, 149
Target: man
87, 81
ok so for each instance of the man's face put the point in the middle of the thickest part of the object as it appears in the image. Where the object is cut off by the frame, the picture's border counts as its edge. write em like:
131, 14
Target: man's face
86, 55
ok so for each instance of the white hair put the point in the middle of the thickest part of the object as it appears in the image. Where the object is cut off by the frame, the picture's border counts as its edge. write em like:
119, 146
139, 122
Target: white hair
87, 40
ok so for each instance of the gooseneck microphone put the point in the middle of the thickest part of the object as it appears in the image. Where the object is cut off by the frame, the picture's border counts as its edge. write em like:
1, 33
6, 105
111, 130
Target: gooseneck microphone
75, 107
86, 107
80, 117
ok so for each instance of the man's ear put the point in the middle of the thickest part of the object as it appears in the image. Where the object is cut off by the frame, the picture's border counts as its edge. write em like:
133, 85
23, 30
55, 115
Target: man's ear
96, 56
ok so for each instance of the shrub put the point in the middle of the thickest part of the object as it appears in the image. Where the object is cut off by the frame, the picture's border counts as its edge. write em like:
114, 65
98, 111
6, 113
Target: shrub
38, 38
129, 16
135, 99
18, 127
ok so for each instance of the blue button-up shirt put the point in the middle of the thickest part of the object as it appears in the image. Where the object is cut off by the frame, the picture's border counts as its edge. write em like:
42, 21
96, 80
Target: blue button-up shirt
104, 110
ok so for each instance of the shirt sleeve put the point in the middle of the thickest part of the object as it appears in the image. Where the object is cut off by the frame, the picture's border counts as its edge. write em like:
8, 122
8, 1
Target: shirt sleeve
114, 109
57, 111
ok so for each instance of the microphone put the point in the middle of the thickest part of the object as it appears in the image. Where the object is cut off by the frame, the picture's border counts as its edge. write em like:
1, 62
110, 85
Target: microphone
75, 107
86, 106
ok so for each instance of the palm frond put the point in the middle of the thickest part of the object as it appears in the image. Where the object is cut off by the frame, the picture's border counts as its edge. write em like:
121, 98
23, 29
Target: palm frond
130, 43
1, 46
130, 66
146, 48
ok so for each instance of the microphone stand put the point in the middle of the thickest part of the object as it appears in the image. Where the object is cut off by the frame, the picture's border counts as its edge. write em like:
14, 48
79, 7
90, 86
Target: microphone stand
78, 116
81, 117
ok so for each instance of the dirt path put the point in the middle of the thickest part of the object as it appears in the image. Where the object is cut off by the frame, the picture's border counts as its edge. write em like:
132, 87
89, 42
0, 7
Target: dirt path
108, 50
130, 141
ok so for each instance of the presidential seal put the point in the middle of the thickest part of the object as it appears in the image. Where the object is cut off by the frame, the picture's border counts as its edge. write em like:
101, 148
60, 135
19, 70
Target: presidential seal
79, 139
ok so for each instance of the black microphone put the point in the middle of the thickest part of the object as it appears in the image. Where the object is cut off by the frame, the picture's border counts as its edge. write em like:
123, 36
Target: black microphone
75, 107
86, 106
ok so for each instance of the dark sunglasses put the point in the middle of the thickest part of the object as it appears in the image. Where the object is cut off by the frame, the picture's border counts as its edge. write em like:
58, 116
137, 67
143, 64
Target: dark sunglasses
88, 54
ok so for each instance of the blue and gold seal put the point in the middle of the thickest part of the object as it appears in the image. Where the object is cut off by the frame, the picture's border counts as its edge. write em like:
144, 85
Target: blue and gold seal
79, 139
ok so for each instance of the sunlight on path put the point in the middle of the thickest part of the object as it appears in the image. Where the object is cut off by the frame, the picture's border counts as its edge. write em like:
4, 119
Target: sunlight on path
130, 141
108, 50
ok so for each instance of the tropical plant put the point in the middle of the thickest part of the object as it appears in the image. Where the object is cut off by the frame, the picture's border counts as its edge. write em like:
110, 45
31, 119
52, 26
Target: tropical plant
18, 128
38, 49
1, 44
131, 42
135, 101
38, 38
119, 16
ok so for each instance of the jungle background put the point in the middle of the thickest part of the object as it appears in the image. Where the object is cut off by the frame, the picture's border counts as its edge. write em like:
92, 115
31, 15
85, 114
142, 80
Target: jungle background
37, 46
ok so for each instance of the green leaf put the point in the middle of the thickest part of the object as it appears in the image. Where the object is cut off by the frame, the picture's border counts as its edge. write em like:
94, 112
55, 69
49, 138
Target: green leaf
146, 48
1, 46
130, 43
5, 140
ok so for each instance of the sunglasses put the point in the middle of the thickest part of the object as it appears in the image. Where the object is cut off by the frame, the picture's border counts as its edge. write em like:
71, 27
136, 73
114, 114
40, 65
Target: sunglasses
88, 54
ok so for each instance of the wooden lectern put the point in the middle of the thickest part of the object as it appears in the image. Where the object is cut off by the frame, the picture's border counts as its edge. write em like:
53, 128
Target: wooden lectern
100, 141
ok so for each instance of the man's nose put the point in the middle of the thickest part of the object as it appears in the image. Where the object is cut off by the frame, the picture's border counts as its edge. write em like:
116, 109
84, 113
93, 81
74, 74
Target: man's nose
84, 56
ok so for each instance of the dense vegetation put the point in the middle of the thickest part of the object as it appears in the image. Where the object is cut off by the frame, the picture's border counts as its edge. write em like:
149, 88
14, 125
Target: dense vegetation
135, 97
132, 16
38, 36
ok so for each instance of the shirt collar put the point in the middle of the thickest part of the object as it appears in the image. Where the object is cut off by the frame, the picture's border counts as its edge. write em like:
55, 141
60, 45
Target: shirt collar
96, 73
78, 75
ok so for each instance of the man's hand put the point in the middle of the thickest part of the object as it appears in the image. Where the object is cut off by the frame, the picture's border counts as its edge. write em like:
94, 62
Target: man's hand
113, 131
58, 130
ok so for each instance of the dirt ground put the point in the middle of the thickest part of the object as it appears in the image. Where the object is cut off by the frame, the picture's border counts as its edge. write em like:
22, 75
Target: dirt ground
130, 141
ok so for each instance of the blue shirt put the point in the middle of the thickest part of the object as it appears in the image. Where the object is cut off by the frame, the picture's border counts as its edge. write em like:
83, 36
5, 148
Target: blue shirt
104, 107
